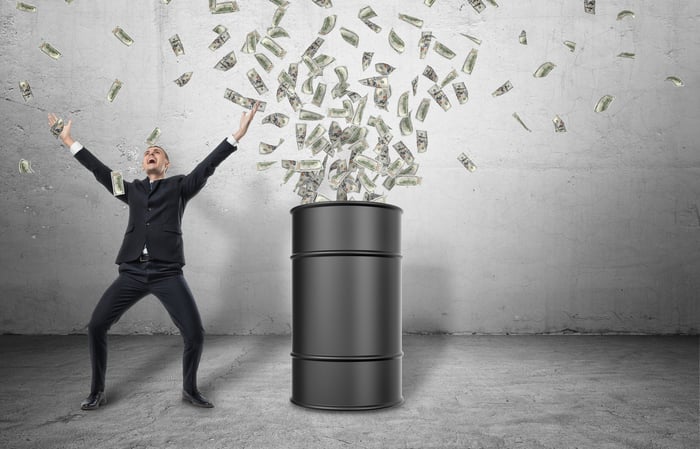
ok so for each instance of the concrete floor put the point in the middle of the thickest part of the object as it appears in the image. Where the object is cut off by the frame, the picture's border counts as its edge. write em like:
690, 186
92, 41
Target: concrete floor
460, 392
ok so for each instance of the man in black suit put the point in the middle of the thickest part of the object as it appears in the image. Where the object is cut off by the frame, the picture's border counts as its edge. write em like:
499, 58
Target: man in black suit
151, 256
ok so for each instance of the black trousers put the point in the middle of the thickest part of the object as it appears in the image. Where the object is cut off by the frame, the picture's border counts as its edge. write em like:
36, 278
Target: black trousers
136, 280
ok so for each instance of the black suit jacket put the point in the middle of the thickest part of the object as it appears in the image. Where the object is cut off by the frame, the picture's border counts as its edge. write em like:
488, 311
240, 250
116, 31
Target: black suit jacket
155, 216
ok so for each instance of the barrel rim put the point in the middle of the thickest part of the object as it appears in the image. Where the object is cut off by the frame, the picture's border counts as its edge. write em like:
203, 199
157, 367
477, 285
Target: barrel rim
346, 203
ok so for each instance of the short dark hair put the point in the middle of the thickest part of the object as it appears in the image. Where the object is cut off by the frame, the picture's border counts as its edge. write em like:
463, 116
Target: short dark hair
161, 149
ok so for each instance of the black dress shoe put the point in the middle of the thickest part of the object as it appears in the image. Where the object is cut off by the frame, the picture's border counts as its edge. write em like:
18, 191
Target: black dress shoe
195, 398
93, 401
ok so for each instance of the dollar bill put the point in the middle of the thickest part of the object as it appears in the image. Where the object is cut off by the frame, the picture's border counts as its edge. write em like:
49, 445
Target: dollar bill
422, 111
153, 137
25, 90
294, 100
324, 60
372, 26
626, 54
24, 7
50, 50
349, 36
219, 41
603, 103
219, 29
493, 2
519, 120
57, 127
402, 106
114, 90
523, 37
414, 85
429, 73
122, 36
478, 5
25, 167
301, 135
367, 59
383, 68
309, 115
376, 81
225, 7
262, 166
411, 169
416, 22
264, 62
293, 72
625, 13
280, 3
176, 45
308, 165
251, 42
359, 111
559, 125
589, 6
461, 92
505, 87
328, 25
570, 45
338, 113
476, 40
286, 80
319, 94
319, 145
323, 3
395, 167
396, 42
421, 140
242, 101
256, 81
381, 97
274, 48
408, 180
389, 182
424, 43
374, 197
429, 3
367, 162
466, 162
212, 5
278, 119
440, 97
448, 78
404, 152
366, 13
266, 148
183, 79
313, 48
278, 15
675, 80
543, 70
314, 69
365, 182
227, 62
443, 50
117, 183
470, 61
277, 32
406, 125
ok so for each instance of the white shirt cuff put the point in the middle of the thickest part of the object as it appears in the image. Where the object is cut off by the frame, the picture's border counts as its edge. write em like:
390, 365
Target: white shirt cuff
75, 147
232, 140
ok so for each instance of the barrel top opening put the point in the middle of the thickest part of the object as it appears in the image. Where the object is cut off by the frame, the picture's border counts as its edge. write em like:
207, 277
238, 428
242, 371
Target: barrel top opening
346, 203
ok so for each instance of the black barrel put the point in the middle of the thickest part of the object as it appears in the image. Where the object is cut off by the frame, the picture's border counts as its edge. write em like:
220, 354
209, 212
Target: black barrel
346, 305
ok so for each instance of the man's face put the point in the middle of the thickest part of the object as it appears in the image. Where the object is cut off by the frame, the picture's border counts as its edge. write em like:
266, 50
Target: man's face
155, 161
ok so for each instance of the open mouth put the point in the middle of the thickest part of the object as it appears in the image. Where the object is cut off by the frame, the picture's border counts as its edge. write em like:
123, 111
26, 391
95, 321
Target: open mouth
151, 161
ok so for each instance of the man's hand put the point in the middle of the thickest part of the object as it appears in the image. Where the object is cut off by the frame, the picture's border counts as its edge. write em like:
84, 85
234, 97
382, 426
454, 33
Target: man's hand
65, 134
245, 122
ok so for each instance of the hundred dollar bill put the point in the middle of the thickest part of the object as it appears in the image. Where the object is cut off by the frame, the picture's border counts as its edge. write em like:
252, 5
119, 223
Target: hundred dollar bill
503, 89
365, 182
219, 29
323, 3
366, 13
402, 106
273, 47
416, 22
219, 41
603, 103
383, 68
675, 80
429, 73
408, 180
493, 2
266, 148
349, 36
559, 125
424, 43
443, 50
367, 59
262, 166
225, 7
294, 100
342, 73
421, 140
280, 3
570, 45
394, 168
278, 15
440, 97
353, 96
411, 169
376, 81
288, 164
183, 79
625, 54
122, 36
314, 69
477, 41
543, 70
448, 78
212, 5
589, 6
49, 50
374, 197
396, 42
312, 49
428, 3
117, 183
404, 152
338, 113
278, 119
293, 71
367, 162
389, 182
276, 32
381, 97
625, 13
523, 37
242, 101
319, 94
309, 115
25, 167
251, 42
264, 62
256, 81
227, 62
406, 125
25, 90
153, 137
478, 5
422, 111
372, 26
308, 165
517, 117
324, 60
57, 127
176, 45
301, 135
320, 144
286, 80
466, 162
334, 133
414, 85
468, 66
114, 90
359, 111
24, 7
328, 25
461, 92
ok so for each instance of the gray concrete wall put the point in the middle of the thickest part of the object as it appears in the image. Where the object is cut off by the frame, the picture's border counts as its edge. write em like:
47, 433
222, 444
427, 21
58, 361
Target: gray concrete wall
594, 230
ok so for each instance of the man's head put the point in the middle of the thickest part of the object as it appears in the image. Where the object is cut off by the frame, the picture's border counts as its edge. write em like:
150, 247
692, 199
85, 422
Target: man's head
155, 162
